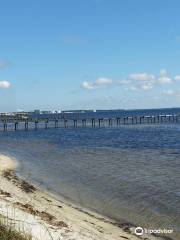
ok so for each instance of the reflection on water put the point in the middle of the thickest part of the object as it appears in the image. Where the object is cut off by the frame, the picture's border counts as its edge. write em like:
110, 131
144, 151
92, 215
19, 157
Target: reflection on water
127, 173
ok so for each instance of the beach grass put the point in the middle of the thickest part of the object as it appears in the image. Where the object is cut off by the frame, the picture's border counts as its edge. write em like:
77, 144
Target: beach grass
8, 233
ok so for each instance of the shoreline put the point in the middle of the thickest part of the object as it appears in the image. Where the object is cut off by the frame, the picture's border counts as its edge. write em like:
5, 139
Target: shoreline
45, 217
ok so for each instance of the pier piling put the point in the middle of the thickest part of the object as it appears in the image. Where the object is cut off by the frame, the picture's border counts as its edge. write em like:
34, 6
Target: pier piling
36, 124
26, 125
118, 121
10, 123
65, 123
110, 121
56, 123
93, 122
75, 122
84, 122
5, 126
15, 126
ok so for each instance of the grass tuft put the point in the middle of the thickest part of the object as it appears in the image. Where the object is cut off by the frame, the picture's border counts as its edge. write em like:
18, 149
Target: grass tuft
6, 233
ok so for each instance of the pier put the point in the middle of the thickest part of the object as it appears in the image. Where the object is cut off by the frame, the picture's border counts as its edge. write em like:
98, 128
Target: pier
9, 123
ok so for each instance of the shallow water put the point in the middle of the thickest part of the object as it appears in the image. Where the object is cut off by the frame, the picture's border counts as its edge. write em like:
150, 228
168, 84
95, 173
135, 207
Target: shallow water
129, 173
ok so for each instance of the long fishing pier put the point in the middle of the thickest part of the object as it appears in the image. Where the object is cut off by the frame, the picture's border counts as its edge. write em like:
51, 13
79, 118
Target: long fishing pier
9, 123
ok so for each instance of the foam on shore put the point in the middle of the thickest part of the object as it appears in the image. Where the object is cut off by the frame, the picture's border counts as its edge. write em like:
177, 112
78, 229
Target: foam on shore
7, 163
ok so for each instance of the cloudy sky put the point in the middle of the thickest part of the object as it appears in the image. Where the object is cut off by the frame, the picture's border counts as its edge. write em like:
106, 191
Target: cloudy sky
67, 54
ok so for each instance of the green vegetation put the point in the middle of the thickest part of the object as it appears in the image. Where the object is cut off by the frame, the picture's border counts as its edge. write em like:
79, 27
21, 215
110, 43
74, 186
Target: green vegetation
6, 233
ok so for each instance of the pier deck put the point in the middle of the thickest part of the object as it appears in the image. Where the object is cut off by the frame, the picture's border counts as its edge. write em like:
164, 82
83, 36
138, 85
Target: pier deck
9, 123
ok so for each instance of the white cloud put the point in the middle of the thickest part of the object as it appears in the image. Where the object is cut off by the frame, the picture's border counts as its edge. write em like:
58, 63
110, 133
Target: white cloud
87, 85
141, 81
134, 88
163, 73
103, 81
142, 77
174, 93
100, 82
177, 78
164, 80
146, 86
169, 92
124, 82
4, 84
142, 86
146, 81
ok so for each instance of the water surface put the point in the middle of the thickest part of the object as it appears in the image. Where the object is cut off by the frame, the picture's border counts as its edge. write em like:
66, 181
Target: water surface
129, 173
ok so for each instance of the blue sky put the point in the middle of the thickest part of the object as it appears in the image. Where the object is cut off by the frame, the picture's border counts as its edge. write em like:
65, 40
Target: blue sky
67, 54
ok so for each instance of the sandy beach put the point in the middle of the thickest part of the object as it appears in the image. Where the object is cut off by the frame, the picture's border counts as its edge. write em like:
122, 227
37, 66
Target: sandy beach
45, 218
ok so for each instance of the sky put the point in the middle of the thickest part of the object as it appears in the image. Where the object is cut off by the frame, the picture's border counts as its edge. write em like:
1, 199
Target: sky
89, 54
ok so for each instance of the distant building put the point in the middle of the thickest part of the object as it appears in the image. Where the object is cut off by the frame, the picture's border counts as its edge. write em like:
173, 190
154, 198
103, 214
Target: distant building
46, 112
37, 111
76, 111
110, 110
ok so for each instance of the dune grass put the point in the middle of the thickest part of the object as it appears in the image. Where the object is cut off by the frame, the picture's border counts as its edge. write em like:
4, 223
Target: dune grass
6, 233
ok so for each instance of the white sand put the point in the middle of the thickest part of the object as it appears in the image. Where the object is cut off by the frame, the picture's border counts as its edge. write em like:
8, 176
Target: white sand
68, 223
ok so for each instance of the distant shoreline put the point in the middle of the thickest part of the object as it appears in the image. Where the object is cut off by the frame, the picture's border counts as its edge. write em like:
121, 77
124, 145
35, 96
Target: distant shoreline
89, 110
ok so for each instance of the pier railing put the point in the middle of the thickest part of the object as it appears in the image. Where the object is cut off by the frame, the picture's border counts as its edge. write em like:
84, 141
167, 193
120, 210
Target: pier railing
25, 123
